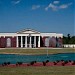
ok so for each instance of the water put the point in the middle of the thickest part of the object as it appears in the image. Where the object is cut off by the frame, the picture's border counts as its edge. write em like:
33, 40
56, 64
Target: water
13, 58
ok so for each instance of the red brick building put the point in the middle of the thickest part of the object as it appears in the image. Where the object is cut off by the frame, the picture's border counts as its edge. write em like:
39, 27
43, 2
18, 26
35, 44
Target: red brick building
29, 38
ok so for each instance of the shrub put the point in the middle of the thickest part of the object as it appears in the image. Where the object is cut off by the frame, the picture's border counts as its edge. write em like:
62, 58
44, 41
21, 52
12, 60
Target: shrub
19, 63
54, 63
47, 61
62, 60
32, 63
63, 64
4, 64
73, 63
69, 60
44, 63
8, 63
57, 61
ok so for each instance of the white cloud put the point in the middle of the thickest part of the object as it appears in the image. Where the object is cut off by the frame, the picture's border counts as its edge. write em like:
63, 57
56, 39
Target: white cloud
52, 6
16, 2
64, 6
35, 7
57, 7
46, 8
56, 2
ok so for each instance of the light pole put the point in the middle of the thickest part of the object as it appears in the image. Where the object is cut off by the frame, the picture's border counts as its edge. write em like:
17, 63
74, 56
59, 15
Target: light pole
47, 45
47, 52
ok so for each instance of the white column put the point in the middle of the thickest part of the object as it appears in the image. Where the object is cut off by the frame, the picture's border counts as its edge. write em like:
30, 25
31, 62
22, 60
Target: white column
21, 42
26, 41
30, 42
39, 42
16, 41
35, 41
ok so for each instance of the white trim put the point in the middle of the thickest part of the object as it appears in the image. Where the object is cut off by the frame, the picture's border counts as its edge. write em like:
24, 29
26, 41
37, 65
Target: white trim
21, 41
28, 31
39, 42
30, 42
34, 41
25, 41
17, 41
41, 34
51, 35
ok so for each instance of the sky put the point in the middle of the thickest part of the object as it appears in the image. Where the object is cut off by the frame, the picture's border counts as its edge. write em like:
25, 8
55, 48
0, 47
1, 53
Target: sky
55, 16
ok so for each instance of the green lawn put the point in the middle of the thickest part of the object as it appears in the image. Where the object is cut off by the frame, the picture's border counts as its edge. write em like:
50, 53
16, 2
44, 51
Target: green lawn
56, 70
36, 51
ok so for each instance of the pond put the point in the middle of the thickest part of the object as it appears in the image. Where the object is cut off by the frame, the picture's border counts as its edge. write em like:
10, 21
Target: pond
13, 58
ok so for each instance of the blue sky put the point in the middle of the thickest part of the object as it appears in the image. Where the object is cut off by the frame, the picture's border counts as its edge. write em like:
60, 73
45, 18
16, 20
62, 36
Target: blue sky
41, 15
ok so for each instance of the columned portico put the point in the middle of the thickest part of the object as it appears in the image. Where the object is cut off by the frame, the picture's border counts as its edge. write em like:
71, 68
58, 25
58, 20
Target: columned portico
28, 39
20, 43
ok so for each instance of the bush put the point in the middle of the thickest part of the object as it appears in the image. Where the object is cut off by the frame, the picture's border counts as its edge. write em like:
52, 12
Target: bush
47, 61
69, 60
62, 60
44, 63
57, 61
54, 63
4, 64
19, 63
73, 63
63, 64
8, 63
32, 63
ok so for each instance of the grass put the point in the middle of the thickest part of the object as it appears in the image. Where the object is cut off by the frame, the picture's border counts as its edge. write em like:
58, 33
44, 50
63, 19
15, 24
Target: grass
55, 70
36, 51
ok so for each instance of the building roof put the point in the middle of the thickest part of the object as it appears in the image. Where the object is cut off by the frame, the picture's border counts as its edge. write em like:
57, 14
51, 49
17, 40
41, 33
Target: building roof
28, 31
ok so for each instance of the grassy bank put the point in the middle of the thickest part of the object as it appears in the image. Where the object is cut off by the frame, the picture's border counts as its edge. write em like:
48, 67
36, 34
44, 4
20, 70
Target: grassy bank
56, 70
36, 51
51, 70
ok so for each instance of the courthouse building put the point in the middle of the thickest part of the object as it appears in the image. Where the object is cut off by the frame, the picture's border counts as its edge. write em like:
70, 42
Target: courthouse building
29, 38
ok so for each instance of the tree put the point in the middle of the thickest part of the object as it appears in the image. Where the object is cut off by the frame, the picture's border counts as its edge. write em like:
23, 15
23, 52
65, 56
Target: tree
68, 39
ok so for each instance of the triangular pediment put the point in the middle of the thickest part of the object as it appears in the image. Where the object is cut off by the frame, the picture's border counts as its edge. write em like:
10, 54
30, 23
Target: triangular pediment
27, 31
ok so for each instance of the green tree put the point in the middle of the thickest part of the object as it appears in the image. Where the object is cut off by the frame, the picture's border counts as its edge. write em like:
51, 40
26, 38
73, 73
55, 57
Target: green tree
68, 39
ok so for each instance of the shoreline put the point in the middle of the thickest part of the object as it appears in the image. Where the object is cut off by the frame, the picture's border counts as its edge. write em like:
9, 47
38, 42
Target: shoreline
35, 54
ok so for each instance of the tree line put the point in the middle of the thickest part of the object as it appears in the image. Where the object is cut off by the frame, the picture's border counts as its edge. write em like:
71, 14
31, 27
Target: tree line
68, 39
